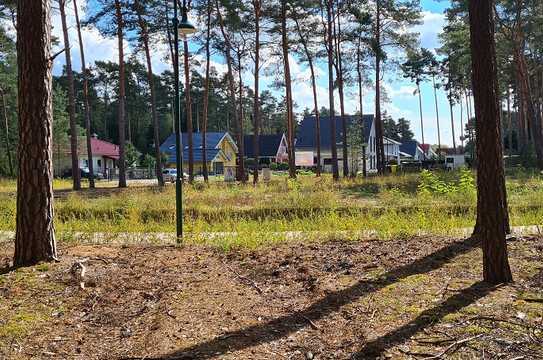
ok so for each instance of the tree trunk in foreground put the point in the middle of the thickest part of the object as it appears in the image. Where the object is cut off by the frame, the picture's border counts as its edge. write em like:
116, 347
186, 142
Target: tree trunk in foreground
257, 6
150, 79
85, 97
329, 41
492, 223
35, 235
76, 175
288, 89
122, 96
206, 91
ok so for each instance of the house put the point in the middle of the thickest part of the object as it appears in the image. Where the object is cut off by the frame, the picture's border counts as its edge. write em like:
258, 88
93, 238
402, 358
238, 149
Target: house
306, 142
105, 156
221, 152
271, 148
411, 150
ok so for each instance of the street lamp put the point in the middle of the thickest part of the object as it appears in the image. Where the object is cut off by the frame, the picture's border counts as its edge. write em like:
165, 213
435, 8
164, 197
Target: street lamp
183, 29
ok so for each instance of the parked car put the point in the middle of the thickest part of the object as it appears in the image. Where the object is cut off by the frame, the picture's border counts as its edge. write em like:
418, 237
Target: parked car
84, 173
169, 175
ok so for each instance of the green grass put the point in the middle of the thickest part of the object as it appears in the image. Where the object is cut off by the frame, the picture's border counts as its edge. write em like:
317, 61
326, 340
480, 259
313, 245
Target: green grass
390, 206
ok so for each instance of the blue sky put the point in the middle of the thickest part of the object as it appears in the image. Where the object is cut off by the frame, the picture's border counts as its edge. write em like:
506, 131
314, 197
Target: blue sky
400, 91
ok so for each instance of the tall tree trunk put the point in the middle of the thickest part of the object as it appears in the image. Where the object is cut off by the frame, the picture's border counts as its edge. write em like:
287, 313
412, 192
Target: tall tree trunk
309, 57
35, 235
232, 92
462, 130
206, 91
188, 110
151, 80
437, 117
380, 145
122, 96
509, 123
288, 89
330, 50
76, 175
492, 210
86, 103
421, 118
361, 105
6, 132
169, 32
339, 70
241, 117
256, 100
451, 108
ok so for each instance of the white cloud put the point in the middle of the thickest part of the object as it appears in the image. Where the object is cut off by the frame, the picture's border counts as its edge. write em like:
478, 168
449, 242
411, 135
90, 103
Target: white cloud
432, 25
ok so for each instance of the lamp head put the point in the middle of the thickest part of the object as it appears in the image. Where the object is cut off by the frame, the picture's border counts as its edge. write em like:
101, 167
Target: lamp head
185, 28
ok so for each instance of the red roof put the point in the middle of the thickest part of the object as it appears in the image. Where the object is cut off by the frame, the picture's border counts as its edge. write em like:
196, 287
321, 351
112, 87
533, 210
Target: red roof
104, 148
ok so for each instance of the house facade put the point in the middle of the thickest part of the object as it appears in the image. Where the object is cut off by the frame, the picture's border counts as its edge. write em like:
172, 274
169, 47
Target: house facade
306, 143
412, 150
105, 156
220, 152
271, 148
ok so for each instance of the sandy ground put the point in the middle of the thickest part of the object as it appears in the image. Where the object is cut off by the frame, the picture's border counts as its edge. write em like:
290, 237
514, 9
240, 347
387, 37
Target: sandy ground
407, 298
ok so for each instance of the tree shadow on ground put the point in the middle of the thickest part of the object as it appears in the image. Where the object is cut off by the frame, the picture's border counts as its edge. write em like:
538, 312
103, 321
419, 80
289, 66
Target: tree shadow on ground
375, 348
285, 325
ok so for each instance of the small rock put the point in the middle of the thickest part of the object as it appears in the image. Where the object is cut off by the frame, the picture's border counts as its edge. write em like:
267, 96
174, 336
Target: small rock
309, 355
521, 315
126, 332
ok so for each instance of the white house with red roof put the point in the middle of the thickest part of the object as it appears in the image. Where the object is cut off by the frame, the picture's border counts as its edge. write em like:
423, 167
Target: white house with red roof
105, 156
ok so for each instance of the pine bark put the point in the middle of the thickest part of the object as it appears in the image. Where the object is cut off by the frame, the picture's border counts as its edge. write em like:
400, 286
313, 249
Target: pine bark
206, 92
122, 96
35, 235
330, 47
437, 117
380, 146
451, 108
151, 80
76, 175
288, 90
241, 116
257, 5
86, 104
492, 213
361, 105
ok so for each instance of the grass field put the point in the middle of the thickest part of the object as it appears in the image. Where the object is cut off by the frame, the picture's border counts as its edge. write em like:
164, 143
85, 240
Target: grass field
389, 207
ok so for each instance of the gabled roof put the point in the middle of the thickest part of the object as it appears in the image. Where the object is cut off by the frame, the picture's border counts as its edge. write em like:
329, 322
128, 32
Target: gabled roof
268, 145
213, 140
198, 155
410, 147
104, 148
306, 137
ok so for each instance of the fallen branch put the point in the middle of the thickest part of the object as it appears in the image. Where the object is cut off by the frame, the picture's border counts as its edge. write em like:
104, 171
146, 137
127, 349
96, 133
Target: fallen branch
246, 280
454, 346
311, 322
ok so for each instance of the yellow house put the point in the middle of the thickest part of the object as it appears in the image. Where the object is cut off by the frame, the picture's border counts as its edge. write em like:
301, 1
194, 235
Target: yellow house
221, 152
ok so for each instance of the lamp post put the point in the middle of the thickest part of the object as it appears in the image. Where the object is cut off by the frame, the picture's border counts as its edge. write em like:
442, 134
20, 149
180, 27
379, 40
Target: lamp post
183, 29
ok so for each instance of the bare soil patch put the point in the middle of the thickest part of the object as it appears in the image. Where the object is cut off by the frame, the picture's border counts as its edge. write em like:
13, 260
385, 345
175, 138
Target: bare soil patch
407, 298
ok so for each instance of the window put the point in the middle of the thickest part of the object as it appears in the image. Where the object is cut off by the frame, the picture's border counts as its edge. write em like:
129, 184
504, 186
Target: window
99, 162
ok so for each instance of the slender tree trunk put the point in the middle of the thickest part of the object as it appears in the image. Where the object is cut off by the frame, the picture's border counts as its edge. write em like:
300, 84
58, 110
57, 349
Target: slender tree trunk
241, 117
421, 117
86, 103
330, 50
492, 210
151, 80
206, 92
122, 96
188, 110
339, 70
76, 175
380, 146
361, 105
509, 123
35, 235
309, 57
169, 32
288, 89
232, 92
6, 132
437, 117
256, 100
451, 107
462, 130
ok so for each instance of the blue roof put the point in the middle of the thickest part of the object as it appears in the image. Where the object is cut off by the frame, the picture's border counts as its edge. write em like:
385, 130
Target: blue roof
268, 145
409, 147
306, 134
197, 155
212, 141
